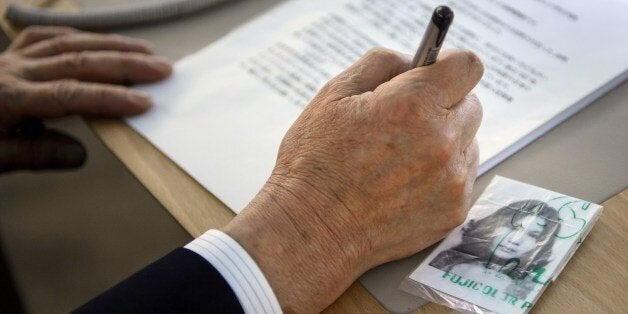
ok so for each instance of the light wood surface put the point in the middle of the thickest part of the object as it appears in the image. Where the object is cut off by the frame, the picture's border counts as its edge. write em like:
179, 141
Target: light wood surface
596, 278
594, 281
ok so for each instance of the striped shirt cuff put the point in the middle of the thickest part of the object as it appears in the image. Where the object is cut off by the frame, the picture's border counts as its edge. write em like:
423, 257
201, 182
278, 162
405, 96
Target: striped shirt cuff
239, 270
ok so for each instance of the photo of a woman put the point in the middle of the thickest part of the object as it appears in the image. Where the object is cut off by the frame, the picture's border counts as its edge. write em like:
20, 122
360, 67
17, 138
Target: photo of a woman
515, 241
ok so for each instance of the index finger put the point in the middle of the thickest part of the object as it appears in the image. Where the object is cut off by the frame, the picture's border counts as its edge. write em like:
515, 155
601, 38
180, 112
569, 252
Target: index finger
33, 34
85, 42
65, 97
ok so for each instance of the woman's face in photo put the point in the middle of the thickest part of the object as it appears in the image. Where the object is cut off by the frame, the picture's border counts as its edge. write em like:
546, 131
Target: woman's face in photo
513, 242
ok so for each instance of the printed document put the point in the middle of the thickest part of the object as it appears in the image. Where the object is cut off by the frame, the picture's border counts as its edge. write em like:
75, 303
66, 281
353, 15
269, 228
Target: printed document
223, 113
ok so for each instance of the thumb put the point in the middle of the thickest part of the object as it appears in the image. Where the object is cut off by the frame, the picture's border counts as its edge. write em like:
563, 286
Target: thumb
50, 150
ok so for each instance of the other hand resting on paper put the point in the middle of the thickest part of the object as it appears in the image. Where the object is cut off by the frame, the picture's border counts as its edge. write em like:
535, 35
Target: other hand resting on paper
378, 166
50, 72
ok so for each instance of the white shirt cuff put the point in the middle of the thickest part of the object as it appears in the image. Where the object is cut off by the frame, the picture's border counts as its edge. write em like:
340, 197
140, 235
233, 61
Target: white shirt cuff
239, 270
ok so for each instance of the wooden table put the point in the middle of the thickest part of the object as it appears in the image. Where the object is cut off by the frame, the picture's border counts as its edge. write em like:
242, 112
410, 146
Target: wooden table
594, 281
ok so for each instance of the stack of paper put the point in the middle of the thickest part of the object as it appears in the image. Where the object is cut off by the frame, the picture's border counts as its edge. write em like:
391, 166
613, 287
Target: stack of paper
223, 113
516, 240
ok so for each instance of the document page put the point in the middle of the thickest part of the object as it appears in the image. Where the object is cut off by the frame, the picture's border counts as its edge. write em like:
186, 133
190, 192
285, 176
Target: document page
223, 113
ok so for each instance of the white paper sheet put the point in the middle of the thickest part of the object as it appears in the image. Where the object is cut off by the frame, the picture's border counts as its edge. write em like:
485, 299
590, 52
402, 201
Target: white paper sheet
223, 113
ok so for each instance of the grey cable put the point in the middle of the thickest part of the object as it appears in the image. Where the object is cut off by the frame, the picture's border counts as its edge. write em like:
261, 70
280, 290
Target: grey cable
104, 18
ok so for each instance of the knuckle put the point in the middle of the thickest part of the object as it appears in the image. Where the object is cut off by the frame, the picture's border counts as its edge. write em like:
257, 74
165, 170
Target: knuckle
59, 45
383, 55
379, 52
331, 91
76, 60
26, 69
103, 93
64, 91
129, 59
13, 65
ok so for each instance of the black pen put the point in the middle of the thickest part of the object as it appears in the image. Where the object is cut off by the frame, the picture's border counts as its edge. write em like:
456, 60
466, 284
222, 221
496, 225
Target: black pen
433, 37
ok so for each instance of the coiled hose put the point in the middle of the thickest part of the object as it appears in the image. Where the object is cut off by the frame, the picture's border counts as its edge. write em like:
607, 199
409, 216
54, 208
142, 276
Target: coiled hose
106, 18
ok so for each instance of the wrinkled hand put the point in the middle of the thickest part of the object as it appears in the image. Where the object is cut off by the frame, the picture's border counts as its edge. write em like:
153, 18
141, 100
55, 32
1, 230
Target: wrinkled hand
50, 72
378, 166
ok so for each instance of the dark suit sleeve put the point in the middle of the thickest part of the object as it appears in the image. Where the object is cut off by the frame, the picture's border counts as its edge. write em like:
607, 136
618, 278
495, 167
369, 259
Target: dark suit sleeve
180, 282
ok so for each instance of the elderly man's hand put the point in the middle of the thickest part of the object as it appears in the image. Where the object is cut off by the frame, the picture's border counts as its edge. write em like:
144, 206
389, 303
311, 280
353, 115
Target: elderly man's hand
50, 72
380, 165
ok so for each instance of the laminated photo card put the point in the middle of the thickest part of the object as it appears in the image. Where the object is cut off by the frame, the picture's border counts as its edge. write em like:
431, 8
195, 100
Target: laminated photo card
515, 241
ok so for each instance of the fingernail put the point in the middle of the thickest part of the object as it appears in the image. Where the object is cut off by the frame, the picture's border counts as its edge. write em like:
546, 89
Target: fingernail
140, 98
160, 64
